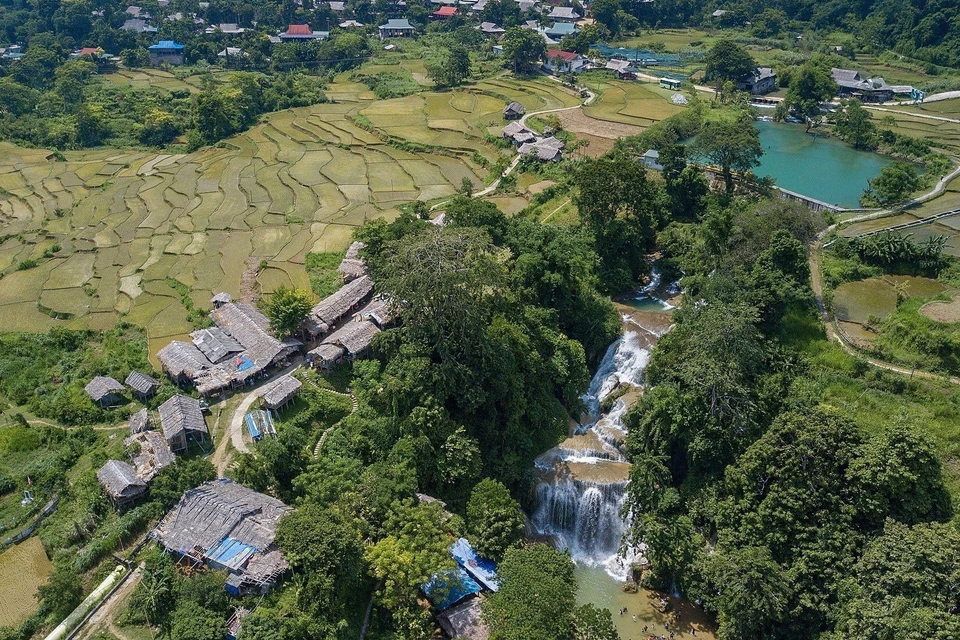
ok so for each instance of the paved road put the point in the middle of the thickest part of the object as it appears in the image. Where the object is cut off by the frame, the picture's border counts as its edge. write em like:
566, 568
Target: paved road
935, 97
912, 115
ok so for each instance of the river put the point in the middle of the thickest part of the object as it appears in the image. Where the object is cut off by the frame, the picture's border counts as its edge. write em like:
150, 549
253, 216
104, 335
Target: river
584, 480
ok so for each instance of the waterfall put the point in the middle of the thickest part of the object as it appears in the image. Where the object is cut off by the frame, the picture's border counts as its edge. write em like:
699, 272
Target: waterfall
583, 481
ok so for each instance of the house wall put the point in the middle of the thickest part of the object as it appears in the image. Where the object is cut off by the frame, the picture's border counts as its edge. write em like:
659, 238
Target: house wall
157, 58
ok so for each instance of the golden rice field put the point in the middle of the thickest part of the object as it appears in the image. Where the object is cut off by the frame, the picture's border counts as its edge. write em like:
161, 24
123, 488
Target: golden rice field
131, 223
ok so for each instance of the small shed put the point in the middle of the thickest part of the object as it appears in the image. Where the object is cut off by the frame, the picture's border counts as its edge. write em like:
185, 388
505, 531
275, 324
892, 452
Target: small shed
281, 392
182, 361
259, 424
143, 386
513, 111
326, 356
120, 482
651, 159
104, 390
182, 421
352, 268
464, 621
139, 422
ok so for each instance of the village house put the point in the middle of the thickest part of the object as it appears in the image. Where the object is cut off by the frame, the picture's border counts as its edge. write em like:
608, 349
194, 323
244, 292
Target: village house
559, 62
228, 527
232, 52
444, 12
623, 69
142, 385
182, 422
490, 29
225, 28
651, 159
337, 7
302, 32
103, 390
150, 454
396, 28
853, 85
513, 111
352, 266
120, 482
137, 25
166, 51
548, 149
560, 30
351, 24
518, 134
328, 312
563, 14
280, 393
762, 80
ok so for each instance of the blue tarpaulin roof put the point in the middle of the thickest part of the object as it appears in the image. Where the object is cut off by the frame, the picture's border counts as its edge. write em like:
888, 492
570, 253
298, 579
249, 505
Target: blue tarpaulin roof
482, 569
244, 363
167, 44
447, 588
230, 553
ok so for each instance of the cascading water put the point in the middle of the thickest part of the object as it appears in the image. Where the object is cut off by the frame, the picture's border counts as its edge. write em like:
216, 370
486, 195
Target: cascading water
583, 481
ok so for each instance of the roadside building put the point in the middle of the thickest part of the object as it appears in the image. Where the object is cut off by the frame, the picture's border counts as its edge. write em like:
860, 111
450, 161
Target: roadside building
518, 134
226, 526
182, 422
143, 386
281, 392
166, 52
182, 362
545, 149
563, 14
104, 390
762, 80
396, 28
120, 482
559, 62
513, 111
260, 423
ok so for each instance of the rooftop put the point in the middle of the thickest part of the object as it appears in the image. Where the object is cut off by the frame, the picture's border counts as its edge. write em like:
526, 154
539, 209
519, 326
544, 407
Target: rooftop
569, 56
153, 455
181, 413
141, 382
101, 387
281, 390
120, 480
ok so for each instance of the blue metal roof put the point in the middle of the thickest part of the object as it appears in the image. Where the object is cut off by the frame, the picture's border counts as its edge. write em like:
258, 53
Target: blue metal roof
166, 44
447, 588
230, 553
482, 569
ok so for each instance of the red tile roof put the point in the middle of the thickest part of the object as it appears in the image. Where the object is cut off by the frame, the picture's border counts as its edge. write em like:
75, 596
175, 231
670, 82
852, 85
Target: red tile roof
565, 55
88, 51
299, 30
445, 12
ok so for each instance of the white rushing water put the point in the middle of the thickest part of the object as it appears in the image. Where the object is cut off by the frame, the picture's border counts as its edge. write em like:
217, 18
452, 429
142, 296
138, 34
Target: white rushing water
580, 506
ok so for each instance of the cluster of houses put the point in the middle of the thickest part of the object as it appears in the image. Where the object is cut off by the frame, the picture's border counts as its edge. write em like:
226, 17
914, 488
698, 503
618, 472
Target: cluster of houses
346, 322
545, 148
236, 351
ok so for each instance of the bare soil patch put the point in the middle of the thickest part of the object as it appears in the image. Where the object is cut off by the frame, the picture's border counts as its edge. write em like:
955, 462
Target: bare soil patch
940, 311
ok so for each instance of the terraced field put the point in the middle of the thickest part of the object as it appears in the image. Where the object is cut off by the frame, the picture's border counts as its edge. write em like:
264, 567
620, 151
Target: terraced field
131, 224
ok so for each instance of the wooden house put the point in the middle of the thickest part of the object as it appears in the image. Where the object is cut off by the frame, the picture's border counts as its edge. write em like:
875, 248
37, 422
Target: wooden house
182, 422
103, 390
143, 386
120, 482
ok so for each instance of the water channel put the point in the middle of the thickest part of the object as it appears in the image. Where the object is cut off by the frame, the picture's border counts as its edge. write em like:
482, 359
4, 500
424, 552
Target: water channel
583, 480
816, 166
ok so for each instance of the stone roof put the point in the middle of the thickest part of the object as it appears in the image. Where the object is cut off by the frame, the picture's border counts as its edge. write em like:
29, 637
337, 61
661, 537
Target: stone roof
352, 268
120, 480
325, 353
141, 382
101, 387
154, 453
281, 391
221, 298
140, 421
181, 413
248, 326
514, 108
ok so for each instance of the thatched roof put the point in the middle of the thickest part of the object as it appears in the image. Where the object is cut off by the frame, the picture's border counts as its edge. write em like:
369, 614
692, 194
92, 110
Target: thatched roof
215, 344
464, 621
354, 250
281, 391
351, 268
153, 456
249, 327
140, 421
101, 387
182, 359
233, 526
355, 337
120, 480
335, 306
181, 413
379, 311
142, 383
221, 298
325, 353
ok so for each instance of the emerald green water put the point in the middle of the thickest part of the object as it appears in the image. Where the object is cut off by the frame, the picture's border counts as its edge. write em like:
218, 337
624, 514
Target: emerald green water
817, 166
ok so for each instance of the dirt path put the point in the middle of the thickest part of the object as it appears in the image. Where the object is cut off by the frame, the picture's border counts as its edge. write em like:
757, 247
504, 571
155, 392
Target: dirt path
914, 115
936, 97
222, 457
248, 281
104, 616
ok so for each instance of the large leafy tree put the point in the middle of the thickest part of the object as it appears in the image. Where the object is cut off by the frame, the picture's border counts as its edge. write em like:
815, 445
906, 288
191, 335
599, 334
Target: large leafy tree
536, 596
287, 309
854, 126
895, 183
733, 145
809, 87
522, 49
727, 61
494, 519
